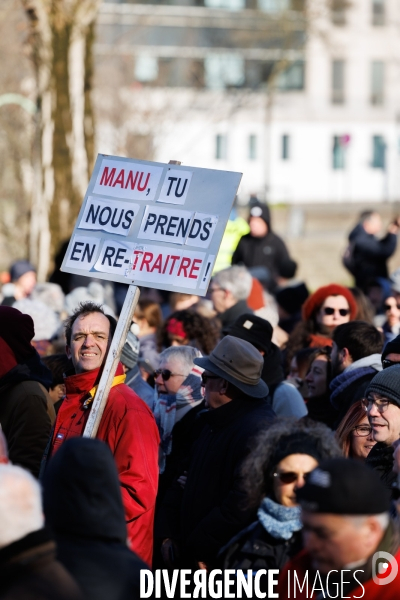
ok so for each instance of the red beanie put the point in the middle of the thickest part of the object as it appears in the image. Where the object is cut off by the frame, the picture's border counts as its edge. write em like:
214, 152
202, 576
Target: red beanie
315, 301
17, 331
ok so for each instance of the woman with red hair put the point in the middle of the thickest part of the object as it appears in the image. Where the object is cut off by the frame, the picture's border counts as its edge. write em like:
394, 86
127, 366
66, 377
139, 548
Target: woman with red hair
328, 307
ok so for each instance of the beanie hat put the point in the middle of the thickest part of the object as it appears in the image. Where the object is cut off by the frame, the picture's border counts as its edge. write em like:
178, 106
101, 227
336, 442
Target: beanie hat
130, 351
387, 384
17, 331
296, 443
19, 268
392, 346
252, 329
262, 211
344, 486
315, 301
292, 298
287, 268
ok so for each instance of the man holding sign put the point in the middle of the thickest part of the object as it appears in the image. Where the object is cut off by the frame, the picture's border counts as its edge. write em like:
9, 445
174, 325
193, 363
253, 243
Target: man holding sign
127, 424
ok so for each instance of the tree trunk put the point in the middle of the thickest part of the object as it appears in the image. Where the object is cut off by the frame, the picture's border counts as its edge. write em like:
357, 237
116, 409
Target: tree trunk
61, 39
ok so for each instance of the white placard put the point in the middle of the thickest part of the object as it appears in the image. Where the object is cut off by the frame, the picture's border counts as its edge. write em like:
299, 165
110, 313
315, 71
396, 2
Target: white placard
113, 216
115, 257
201, 230
175, 187
82, 252
130, 180
208, 267
163, 224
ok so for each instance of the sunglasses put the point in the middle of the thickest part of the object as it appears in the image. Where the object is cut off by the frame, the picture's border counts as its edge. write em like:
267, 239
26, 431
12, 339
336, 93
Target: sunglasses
205, 378
362, 430
388, 363
329, 311
390, 306
290, 476
166, 374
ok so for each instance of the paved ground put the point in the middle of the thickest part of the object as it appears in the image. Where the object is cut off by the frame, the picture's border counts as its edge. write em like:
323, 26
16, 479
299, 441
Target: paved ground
317, 236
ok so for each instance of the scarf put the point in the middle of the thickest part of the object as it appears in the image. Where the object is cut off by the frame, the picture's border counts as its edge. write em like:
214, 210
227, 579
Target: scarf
278, 520
171, 408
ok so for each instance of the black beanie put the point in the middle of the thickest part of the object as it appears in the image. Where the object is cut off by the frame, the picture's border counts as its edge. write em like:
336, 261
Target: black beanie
292, 298
253, 329
343, 486
262, 211
387, 384
393, 346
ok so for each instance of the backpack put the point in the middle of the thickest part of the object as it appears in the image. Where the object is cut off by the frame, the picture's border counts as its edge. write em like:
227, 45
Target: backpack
348, 259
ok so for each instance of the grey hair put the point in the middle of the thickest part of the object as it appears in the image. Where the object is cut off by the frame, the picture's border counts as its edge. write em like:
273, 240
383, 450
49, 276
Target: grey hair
258, 465
382, 518
20, 504
236, 280
184, 354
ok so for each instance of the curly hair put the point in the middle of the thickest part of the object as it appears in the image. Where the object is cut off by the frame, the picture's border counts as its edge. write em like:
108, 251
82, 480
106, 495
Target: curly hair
200, 332
257, 469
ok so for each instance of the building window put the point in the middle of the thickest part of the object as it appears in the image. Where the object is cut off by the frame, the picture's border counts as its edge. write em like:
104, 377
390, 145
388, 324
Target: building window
274, 6
252, 147
338, 152
338, 67
338, 12
377, 82
285, 148
226, 4
146, 68
378, 152
378, 12
292, 78
221, 147
223, 70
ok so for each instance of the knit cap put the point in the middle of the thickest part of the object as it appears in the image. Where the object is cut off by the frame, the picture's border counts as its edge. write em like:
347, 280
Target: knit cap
387, 384
130, 351
392, 347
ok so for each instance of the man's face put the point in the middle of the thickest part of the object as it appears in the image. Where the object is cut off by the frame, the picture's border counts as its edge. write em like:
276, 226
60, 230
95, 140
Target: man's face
214, 388
373, 225
385, 425
90, 341
174, 373
218, 297
335, 541
336, 360
394, 357
258, 227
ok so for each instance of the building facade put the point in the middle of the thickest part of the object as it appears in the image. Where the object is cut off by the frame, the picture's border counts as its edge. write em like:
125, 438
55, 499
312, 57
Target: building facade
302, 97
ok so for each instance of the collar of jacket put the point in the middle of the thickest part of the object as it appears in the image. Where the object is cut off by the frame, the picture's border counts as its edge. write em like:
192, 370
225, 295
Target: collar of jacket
82, 383
223, 415
231, 314
26, 548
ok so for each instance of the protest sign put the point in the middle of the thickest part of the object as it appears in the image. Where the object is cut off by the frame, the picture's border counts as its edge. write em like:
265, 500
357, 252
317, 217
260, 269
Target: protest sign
151, 224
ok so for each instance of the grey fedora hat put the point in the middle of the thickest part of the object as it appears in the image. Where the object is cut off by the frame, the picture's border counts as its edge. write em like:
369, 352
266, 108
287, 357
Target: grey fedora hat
238, 362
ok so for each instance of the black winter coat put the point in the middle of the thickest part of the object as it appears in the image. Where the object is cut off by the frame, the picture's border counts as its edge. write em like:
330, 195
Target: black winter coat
210, 510
228, 317
371, 254
29, 571
83, 508
269, 251
254, 548
381, 460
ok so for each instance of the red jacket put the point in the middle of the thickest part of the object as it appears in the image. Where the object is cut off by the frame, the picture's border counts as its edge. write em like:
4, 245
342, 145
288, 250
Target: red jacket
129, 429
302, 564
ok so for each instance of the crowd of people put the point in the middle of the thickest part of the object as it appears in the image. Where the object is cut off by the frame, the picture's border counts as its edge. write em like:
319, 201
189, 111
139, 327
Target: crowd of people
255, 429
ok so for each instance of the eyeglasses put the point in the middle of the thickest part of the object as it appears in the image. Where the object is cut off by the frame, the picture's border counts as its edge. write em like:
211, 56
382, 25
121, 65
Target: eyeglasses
388, 363
390, 306
381, 405
205, 377
166, 374
290, 476
362, 430
329, 311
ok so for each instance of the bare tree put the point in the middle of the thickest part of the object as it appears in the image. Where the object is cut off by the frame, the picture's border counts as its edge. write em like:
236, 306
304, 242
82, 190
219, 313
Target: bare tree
61, 34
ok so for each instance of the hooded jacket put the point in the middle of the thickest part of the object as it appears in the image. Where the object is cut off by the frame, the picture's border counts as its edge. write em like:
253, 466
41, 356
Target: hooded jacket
269, 251
83, 508
26, 412
371, 254
129, 429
